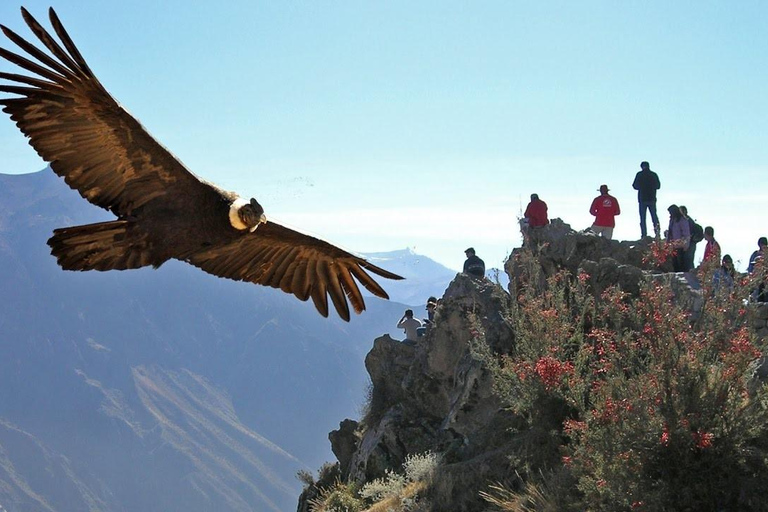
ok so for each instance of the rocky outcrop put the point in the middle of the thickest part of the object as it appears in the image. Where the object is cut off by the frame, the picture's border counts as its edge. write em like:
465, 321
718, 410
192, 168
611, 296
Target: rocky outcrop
437, 395
434, 395
557, 247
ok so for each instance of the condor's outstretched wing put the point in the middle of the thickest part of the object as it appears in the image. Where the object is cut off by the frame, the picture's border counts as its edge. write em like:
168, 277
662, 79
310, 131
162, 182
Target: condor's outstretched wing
89, 139
282, 258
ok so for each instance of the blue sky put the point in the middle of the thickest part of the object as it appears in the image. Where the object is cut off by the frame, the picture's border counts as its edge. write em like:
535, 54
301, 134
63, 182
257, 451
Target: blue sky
384, 125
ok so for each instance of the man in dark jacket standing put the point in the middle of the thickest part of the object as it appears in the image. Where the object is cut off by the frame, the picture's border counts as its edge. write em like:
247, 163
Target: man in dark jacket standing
647, 183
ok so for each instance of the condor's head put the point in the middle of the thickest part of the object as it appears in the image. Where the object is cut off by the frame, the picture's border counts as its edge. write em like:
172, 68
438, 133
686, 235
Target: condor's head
246, 214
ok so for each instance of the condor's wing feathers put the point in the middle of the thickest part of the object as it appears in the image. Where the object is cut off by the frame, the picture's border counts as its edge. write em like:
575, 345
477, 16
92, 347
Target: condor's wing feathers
282, 258
89, 139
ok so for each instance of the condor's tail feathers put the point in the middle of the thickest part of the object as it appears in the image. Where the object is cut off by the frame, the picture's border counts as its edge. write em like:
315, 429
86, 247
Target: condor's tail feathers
115, 245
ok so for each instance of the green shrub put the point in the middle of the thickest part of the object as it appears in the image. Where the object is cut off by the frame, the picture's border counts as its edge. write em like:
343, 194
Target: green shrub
382, 488
420, 467
339, 497
645, 405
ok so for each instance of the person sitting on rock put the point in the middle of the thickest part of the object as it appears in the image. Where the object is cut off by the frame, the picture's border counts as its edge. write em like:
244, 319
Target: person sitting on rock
604, 207
431, 306
410, 325
473, 265
724, 275
430, 320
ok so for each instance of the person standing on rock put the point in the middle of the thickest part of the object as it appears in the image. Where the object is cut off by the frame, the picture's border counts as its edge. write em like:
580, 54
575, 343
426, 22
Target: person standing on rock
536, 212
678, 236
759, 254
697, 235
712, 249
410, 325
647, 183
473, 265
604, 207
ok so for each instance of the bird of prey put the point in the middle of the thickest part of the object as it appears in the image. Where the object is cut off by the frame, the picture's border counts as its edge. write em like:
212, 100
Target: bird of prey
163, 210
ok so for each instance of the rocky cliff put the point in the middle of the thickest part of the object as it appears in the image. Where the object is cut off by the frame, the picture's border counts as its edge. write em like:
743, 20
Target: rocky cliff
438, 395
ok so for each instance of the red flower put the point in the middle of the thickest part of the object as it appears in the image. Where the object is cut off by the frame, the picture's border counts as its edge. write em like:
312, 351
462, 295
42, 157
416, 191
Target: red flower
703, 439
551, 370
664, 440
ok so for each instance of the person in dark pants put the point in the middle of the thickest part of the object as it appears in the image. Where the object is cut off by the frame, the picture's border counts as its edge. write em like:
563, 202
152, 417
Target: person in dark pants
678, 235
647, 183
690, 252
473, 265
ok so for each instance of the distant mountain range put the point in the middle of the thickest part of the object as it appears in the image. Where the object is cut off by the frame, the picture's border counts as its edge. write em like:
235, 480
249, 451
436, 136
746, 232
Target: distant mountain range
423, 277
166, 389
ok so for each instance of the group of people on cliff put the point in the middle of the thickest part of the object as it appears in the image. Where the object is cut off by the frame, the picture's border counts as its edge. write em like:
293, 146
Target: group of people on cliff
415, 328
682, 235
683, 232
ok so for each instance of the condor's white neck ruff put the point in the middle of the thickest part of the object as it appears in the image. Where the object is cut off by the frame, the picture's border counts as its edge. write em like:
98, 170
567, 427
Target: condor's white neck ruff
234, 216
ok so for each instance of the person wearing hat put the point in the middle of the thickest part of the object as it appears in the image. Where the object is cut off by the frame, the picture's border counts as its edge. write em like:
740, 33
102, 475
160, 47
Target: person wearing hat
430, 320
431, 306
604, 207
473, 265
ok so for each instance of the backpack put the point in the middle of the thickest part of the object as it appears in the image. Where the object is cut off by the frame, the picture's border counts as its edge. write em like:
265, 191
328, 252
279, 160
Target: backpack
697, 232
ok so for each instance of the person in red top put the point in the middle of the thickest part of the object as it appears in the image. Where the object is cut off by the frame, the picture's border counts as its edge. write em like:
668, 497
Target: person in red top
712, 249
604, 207
536, 212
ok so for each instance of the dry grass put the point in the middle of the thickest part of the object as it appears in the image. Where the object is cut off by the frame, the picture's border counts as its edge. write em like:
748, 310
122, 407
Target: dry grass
394, 503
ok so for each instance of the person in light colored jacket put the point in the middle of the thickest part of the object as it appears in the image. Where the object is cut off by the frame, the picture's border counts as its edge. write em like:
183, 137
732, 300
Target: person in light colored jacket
679, 236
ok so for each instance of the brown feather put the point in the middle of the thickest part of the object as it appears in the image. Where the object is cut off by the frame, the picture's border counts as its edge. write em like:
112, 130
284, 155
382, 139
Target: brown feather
353, 292
367, 281
319, 297
68, 44
30, 66
334, 289
39, 55
49, 43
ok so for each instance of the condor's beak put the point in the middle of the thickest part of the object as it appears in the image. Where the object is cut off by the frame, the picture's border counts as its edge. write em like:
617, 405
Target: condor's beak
262, 220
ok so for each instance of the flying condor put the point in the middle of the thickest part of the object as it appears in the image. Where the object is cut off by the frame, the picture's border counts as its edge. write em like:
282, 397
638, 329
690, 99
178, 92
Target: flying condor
163, 210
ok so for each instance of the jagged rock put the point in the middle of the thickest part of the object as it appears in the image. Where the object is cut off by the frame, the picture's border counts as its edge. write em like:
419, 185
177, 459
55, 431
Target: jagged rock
388, 363
437, 394
558, 247
608, 272
344, 443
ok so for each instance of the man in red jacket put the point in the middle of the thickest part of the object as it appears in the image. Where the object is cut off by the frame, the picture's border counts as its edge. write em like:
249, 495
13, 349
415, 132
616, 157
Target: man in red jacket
604, 207
536, 212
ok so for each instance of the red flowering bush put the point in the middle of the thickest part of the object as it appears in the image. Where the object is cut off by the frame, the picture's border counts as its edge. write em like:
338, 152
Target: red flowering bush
653, 405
